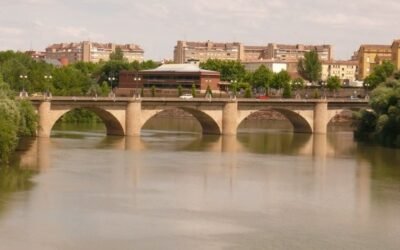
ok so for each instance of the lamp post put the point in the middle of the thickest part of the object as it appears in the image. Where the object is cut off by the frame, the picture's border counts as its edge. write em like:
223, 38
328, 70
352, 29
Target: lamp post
366, 90
48, 78
112, 78
137, 79
23, 92
323, 84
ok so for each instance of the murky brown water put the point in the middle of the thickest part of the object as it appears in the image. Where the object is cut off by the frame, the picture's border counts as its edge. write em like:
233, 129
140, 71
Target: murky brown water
264, 189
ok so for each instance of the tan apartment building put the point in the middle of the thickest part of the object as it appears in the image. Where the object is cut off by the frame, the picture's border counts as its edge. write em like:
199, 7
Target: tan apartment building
370, 55
92, 51
396, 53
185, 52
345, 70
285, 52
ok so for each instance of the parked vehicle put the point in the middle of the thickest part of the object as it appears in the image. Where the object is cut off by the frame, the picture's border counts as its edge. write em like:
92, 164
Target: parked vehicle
186, 96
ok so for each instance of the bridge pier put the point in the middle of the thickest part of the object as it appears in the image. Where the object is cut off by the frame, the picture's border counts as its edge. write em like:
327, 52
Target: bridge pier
133, 118
229, 118
44, 129
320, 117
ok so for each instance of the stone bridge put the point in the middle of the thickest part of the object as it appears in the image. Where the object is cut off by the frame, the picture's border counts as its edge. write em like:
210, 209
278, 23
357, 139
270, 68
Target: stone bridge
126, 116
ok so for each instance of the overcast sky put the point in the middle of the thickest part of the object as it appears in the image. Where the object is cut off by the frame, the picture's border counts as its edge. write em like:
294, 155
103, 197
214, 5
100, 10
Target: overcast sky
156, 25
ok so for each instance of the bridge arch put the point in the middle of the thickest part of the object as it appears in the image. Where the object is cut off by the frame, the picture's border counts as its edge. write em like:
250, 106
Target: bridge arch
302, 121
208, 122
114, 125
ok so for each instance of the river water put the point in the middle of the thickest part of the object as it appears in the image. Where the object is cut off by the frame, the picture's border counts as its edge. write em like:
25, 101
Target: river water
173, 188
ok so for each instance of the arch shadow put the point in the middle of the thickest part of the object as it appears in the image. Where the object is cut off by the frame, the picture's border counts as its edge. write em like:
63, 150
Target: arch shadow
299, 123
113, 126
208, 124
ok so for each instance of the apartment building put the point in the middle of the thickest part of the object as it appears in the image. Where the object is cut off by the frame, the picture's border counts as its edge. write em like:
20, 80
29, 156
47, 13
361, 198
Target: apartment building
92, 51
185, 52
345, 70
285, 52
370, 55
396, 53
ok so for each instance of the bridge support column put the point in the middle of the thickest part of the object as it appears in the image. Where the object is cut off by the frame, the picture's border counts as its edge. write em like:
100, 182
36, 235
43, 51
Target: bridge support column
320, 117
44, 129
229, 118
133, 118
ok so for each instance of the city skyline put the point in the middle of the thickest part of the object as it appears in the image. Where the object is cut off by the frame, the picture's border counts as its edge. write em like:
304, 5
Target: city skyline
157, 25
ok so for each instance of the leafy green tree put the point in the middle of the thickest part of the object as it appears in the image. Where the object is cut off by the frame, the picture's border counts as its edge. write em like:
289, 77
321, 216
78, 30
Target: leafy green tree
379, 74
382, 124
287, 90
310, 67
193, 90
262, 77
179, 90
333, 83
280, 79
229, 70
18, 118
247, 93
117, 55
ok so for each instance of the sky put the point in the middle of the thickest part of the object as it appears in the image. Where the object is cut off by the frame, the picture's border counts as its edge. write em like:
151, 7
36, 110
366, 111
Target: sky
156, 25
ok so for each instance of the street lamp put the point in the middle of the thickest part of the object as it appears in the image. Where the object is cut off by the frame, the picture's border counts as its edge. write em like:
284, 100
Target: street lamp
112, 78
366, 90
137, 79
47, 78
323, 84
23, 92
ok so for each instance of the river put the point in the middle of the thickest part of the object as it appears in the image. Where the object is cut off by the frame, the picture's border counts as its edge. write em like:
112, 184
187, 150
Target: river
173, 188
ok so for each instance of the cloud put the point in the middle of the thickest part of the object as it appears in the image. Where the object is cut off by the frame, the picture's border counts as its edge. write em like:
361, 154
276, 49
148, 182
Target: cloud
10, 31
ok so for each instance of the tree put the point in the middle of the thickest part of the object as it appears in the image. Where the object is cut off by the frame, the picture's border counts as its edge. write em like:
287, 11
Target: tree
153, 91
298, 83
287, 90
382, 124
333, 83
379, 74
117, 55
280, 79
310, 67
262, 77
247, 93
230, 70
193, 90
179, 90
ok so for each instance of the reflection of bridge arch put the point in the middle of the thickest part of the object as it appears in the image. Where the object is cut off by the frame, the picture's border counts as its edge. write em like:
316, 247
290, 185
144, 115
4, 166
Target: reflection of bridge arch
208, 123
301, 123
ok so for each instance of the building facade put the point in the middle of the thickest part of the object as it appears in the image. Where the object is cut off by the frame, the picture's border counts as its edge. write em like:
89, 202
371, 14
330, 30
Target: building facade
396, 53
274, 66
285, 52
345, 70
92, 52
185, 52
169, 76
370, 55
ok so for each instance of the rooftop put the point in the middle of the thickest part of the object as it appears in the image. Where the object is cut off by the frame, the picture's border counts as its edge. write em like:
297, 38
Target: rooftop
179, 68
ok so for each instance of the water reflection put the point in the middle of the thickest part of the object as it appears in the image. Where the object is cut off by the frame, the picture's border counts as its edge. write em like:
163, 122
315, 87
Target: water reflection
170, 190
